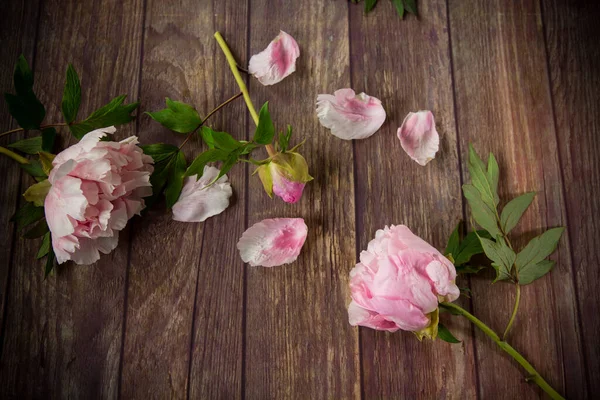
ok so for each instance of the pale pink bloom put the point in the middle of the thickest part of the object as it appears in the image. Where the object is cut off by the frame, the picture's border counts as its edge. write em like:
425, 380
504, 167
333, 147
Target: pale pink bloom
399, 281
198, 202
96, 188
418, 136
273, 242
350, 116
277, 61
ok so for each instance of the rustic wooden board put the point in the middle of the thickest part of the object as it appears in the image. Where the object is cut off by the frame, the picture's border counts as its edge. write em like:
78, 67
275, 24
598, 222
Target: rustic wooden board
406, 64
64, 333
298, 341
503, 105
572, 39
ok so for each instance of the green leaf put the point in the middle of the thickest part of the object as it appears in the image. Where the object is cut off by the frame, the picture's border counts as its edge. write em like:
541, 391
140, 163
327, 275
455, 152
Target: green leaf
479, 179
176, 175
28, 146
219, 140
369, 4
71, 95
531, 272
481, 212
178, 117
159, 178
37, 192
513, 211
493, 175
114, 113
27, 215
48, 138
34, 168
468, 269
446, 335
411, 6
502, 256
49, 262
284, 139
265, 131
159, 151
23, 77
399, 4
453, 242
40, 229
470, 246
206, 134
539, 248
227, 165
197, 166
45, 246
25, 106
46, 161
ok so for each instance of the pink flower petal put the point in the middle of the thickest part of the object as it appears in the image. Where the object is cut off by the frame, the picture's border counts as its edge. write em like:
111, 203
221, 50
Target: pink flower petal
277, 61
289, 191
65, 204
198, 202
418, 136
350, 116
273, 242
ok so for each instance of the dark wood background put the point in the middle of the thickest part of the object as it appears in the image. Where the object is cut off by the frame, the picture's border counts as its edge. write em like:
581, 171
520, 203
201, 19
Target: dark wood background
174, 312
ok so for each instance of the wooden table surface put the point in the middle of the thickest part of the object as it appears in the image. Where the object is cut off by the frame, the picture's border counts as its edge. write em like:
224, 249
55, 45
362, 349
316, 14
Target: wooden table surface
173, 312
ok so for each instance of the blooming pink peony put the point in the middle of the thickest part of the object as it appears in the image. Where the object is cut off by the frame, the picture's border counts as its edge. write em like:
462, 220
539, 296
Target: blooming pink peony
277, 61
350, 116
198, 202
96, 188
398, 282
418, 136
273, 242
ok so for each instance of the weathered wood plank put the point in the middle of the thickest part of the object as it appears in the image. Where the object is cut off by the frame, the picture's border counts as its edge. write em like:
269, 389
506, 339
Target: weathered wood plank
63, 336
406, 64
170, 267
503, 105
572, 38
298, 341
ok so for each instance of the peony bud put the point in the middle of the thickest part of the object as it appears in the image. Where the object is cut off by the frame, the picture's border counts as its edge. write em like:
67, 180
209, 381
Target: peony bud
285, 175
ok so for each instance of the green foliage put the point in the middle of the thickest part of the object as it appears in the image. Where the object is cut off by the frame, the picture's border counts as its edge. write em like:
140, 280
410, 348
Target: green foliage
446, 335
159, 151
480, 210
114, 113
219, 140
48, 139
27, 215
502, 256
537, 250
513, 211
37, 192
50, 261
197, 166
24, 106
71, 95
28, 146
461, 251
400, 5
284, 139
175, 181
34, 168
178, 117
265, 131
45, 246
39, 229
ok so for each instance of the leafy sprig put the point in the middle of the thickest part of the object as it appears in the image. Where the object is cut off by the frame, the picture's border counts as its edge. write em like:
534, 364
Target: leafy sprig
401, 6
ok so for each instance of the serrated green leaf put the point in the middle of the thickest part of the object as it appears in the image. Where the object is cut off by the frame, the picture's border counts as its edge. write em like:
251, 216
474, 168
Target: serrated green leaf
45, 246
399, 4
27, 215
539, 248
470, 246
24, 106
453, 242
71, 95
493, 175
446, 335
159, 151
513, 211
48, 139
502, 256
531, 272
39, 229
34, 168
479, 179
49, 262
28, 146
37, 192
112, 114
197, 166
179, 117
265, 131
481, 211
411, 6
175, 182
369, 5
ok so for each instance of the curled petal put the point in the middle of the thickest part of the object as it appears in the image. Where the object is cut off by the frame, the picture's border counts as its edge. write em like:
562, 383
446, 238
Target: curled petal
350, 116
289, 191
418, 136
198, 202
277, 61
273, 242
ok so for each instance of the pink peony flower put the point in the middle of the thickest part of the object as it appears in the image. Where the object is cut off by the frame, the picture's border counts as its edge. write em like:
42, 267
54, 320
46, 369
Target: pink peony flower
273, 242
96, 188
285, 175
398, 282
418, 136
277, 61
198, 202
350, 116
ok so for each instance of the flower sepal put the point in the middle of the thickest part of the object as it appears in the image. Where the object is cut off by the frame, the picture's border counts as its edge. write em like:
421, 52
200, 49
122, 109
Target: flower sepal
431, 331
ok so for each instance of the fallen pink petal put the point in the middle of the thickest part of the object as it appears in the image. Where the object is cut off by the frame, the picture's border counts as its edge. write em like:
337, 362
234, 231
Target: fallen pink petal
277, 61
418, 136
273, 242
350, 116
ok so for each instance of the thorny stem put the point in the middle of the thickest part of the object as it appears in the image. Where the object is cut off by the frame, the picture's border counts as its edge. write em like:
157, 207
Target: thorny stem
210, 114
41, 127
238, 78
514, 313
13, 155
534, 376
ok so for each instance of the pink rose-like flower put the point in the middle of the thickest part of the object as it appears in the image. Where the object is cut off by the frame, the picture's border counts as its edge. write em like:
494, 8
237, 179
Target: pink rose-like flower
418, 136
277, 61
350, 116
398, 283
96, 188
273, 242
198, 202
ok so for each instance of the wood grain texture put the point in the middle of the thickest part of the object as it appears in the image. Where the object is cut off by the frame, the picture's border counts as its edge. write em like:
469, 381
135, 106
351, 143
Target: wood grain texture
572, 38
503, 106
298, 341
180, 62
406, 64
63, 335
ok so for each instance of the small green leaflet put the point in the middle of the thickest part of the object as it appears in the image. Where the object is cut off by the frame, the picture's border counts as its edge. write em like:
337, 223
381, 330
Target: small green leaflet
265, 131
513, 211
48, 138
468, 269
49, 262
197, 166
369, 5
71, 95
37, 193
159, 151
163, 156
480, 178
219, 140
531, 272
25, 106
453, 242
39, 229
538, 248
411, 6
446, 335
284, 139
45, 246
227, 165
28, 146
176, 175
34, 168
481, 212
462, 251
502, 256
178, 117
27, 215
493, 175
114, 113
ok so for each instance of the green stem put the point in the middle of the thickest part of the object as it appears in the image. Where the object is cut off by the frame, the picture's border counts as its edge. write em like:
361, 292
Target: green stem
534, 376
13, 155
41, 127
240, 81
514, 313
